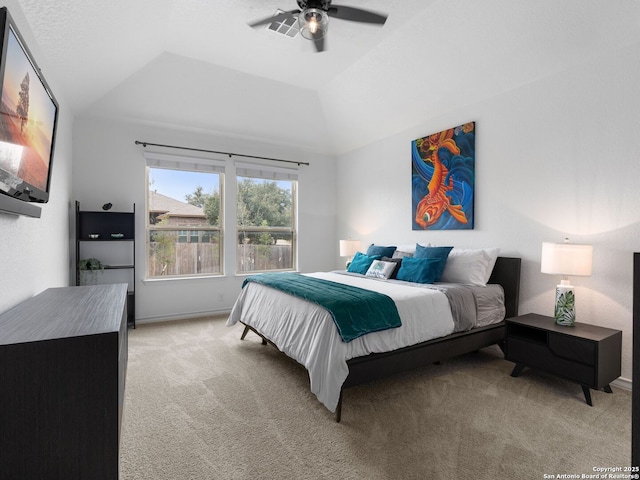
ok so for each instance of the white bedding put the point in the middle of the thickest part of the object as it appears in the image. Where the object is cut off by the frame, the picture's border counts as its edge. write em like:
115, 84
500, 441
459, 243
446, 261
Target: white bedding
306, 332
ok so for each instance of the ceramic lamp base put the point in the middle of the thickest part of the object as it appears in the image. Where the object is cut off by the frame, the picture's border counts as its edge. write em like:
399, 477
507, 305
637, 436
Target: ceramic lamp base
565, 310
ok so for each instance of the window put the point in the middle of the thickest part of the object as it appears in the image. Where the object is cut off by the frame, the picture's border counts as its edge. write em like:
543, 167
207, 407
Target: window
266, 219
184, 216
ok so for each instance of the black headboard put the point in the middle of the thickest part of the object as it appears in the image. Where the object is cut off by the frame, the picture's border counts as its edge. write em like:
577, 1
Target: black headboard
506, 272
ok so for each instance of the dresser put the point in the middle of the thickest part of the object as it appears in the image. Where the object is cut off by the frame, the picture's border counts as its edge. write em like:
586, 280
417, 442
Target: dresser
63, 360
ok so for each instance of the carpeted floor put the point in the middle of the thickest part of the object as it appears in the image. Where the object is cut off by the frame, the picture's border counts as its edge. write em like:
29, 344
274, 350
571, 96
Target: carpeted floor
201, 404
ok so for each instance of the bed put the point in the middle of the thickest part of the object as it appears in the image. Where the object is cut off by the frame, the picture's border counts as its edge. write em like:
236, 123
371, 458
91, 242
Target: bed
304, 331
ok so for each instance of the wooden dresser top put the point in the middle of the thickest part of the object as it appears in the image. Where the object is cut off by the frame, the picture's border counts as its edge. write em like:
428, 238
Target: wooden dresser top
65, 312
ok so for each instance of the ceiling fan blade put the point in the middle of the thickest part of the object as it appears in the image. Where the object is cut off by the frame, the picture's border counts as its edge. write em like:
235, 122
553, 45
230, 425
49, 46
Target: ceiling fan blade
318, 43
274, 18
356, 15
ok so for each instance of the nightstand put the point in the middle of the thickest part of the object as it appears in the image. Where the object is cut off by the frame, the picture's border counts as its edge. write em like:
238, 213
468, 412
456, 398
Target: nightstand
585, 354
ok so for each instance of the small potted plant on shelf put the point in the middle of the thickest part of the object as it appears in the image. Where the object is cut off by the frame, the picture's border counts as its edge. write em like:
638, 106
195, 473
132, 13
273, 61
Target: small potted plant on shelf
89, 269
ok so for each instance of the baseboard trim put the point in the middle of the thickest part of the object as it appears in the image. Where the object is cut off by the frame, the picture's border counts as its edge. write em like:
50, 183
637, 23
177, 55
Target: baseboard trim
184, 316
623, 383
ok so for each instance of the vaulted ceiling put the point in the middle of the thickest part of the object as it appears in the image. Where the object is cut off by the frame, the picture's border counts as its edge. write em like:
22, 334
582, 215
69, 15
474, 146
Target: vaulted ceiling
197, 64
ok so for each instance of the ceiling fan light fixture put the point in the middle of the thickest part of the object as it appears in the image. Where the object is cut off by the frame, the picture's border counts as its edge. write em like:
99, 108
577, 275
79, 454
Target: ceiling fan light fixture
313, 23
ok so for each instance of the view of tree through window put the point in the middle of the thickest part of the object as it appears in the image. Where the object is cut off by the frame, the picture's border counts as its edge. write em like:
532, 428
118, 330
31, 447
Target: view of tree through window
183, 223
265, 224
186, 224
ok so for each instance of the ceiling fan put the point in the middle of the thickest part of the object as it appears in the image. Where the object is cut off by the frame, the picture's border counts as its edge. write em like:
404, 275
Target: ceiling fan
313, 18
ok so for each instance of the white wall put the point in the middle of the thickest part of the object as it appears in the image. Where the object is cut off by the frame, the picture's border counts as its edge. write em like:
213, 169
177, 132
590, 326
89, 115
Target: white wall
34, 252
557, 157
109, 167
458, 52
185, 94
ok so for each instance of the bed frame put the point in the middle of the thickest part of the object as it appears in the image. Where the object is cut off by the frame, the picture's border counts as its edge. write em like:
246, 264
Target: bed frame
380, 365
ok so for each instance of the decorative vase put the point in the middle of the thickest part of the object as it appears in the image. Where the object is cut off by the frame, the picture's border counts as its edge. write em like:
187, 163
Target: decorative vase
565, 311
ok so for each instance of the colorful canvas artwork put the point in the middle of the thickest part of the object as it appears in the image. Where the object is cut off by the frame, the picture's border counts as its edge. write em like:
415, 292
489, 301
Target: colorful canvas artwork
442, 180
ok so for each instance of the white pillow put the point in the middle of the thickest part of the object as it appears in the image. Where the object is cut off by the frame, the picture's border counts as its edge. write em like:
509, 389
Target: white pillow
470, 266
380, 269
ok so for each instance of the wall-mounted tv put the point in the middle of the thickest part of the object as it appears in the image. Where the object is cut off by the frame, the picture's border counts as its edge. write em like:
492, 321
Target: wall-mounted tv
28, 119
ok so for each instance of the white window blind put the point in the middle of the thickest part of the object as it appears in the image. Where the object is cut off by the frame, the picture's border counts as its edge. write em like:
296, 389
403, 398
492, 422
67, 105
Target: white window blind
266, 172
180, 162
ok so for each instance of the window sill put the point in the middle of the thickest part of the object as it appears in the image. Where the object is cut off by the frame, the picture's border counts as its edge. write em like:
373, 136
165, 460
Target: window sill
162, 281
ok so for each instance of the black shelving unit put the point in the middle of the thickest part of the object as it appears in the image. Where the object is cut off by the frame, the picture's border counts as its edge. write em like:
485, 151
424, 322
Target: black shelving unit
107, 227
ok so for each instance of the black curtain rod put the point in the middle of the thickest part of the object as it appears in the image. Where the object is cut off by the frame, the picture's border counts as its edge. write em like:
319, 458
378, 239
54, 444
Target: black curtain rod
231, 154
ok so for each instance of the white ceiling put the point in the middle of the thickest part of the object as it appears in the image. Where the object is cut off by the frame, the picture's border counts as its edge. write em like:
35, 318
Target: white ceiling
438, 54
99, 44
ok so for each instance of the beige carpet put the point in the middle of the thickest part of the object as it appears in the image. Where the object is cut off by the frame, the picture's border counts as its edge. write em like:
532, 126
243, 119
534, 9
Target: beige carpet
201, 404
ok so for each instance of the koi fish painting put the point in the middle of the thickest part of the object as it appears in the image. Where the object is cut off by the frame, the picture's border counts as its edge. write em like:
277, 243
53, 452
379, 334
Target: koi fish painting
443, 174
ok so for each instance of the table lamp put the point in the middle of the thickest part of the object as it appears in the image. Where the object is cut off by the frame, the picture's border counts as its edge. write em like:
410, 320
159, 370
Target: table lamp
566, 259
348, 248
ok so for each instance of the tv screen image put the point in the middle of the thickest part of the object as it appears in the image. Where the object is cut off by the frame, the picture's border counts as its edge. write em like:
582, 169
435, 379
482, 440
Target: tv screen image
28, 116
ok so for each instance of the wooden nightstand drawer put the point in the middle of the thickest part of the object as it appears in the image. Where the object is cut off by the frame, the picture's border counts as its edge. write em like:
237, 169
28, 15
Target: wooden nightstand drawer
573, 348
538, 356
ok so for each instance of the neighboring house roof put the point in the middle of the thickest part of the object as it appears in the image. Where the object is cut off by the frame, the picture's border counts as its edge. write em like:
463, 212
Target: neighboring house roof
162, 204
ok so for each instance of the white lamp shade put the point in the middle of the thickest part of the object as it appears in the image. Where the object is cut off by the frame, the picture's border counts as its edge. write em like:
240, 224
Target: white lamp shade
566, 259
348, 248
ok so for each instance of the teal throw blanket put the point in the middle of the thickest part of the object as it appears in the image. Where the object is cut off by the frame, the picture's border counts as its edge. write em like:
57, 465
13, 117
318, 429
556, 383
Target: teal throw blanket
355, 311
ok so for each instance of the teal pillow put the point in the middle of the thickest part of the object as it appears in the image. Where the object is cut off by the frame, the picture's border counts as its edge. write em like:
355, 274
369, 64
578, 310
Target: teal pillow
381, 250
418, 270
362, 262
438, 253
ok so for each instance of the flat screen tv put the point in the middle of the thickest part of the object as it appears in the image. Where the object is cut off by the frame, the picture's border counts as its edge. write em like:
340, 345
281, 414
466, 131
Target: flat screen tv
28, 118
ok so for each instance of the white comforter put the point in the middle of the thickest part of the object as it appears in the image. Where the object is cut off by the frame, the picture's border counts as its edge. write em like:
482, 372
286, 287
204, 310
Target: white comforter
306, 332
